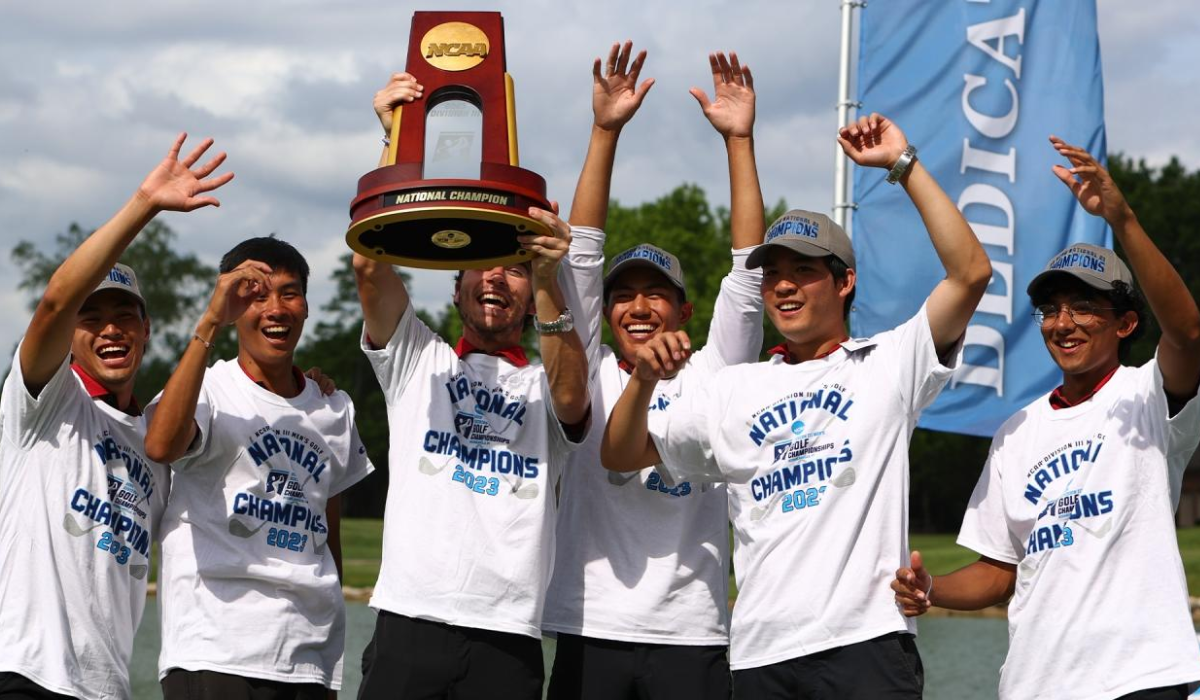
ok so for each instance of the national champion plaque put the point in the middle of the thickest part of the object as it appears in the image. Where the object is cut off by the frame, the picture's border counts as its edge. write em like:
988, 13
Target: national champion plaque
452, 195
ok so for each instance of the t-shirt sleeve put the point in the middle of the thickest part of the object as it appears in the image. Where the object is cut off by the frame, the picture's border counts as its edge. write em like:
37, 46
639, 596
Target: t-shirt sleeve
1182, 429
25, 418
411, 342
582, 280
985, 526
682, 434
358, 462
735, 334
914, 365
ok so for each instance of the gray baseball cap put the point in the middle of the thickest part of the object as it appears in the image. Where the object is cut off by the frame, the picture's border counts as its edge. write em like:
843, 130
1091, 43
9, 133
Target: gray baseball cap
808, 233
646, 255
1099, 268
123, 278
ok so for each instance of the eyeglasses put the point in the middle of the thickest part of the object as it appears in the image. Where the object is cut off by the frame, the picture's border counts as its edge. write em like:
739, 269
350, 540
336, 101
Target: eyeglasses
1082, 313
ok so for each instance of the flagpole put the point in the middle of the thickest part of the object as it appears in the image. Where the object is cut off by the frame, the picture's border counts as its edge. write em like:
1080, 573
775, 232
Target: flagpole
841, 173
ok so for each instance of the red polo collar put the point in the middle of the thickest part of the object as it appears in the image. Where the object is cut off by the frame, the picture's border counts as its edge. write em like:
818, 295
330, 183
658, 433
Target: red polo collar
515, 354
96, 390
296, 374
1058, 400
782, 349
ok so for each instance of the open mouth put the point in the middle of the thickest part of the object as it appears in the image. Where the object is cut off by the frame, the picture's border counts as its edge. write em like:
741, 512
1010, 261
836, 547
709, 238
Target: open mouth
1068, 344
641, 330
276, 332
114, 352
790, 306
492, 300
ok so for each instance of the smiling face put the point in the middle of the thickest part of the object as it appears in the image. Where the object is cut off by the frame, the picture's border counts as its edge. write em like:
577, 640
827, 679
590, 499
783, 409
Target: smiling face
110, 340
494, 303
1085, 350
270, 328
803, 299
640, 304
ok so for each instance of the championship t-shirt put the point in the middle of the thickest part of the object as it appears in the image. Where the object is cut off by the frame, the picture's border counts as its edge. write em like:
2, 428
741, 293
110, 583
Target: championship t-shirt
816, 459
1082, 500
638, 560
474, 456
249, 586
79, 505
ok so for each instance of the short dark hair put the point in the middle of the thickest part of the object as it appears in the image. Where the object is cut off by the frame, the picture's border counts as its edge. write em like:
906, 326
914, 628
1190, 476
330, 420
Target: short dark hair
840, 270
1122, 297
279, 255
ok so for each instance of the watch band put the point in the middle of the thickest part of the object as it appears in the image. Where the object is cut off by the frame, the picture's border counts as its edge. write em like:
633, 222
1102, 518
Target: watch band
903, 163
565, 323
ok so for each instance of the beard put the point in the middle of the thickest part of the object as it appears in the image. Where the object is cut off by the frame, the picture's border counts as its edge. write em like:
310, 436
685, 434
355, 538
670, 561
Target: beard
495, 332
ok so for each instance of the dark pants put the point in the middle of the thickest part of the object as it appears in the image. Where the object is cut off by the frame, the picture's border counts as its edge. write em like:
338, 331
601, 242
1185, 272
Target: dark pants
599, 669
18, 687
210, 685
1175, 692
411, 659
884, 668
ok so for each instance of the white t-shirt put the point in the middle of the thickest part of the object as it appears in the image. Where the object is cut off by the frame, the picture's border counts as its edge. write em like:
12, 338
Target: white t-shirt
1082, 500
475, 453
79, 504
816, 459
248, 585
637, 560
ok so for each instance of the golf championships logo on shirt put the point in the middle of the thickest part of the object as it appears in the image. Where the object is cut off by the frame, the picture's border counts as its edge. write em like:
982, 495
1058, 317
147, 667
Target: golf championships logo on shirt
1065, 507
486, 419
805, 456
118, 517
290, 461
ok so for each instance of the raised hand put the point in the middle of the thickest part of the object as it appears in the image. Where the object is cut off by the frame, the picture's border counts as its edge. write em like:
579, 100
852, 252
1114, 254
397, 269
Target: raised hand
873, 141
732, 110
912, 586
1091, 184
401, 88
174, 186
236, 290
550, 250
663, 356
616, 95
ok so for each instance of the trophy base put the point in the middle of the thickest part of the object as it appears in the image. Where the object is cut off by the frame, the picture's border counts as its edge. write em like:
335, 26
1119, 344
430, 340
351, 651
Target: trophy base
444, 224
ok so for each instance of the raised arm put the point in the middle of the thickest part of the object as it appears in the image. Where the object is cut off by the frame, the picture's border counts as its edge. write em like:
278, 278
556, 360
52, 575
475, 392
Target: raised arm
616, 97
875, 141
627, 445
383, 296
977, 585
731, 113
173, 426
401, 89
173, 185
562, 352
1168, 296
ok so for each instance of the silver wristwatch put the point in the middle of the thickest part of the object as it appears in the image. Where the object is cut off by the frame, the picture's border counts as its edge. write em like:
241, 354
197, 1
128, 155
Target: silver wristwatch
903, 163
563, 324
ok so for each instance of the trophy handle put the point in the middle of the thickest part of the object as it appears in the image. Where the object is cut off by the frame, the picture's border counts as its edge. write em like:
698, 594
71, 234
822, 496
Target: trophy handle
394, 138
510, 99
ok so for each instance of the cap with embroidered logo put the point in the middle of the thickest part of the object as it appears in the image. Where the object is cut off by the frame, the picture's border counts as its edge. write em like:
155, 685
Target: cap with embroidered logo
808, 233
121, 277
646, 255
1099, 268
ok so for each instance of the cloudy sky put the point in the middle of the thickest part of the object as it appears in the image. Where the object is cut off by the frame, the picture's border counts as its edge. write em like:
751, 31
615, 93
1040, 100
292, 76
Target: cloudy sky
91, 95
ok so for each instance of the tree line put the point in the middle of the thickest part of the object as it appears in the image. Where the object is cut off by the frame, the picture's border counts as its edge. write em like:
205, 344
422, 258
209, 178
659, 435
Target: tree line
177, 286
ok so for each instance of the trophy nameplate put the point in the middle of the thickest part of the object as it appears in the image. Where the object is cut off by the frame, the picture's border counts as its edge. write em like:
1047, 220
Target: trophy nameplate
402, 216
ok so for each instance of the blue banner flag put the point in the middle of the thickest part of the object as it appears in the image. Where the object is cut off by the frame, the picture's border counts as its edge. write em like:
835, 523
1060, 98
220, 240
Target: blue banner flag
978, 86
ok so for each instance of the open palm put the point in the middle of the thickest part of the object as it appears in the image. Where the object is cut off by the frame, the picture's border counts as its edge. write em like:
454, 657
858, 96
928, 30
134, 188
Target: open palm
616, 95
174, 186
732, 110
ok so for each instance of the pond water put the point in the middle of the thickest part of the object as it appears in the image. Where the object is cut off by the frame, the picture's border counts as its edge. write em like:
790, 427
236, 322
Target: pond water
962, 655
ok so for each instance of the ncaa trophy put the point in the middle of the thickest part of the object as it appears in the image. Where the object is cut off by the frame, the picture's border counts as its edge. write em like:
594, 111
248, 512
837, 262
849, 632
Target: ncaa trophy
452, 195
